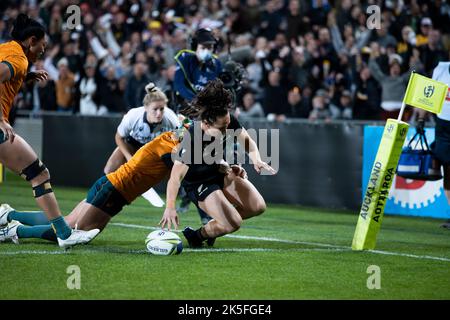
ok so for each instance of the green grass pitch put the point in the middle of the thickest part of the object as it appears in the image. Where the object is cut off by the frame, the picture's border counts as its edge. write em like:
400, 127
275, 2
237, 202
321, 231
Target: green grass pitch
287, 253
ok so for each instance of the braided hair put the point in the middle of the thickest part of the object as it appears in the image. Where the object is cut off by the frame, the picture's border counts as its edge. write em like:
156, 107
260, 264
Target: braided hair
212, 102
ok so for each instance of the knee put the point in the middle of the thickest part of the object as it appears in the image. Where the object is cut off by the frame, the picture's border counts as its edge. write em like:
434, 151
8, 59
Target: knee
108, 168
36, 172
41, 177
258, 207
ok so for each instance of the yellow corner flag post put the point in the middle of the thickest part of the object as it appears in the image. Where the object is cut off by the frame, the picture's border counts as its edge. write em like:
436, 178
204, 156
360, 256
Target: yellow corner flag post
423, 93
1, 173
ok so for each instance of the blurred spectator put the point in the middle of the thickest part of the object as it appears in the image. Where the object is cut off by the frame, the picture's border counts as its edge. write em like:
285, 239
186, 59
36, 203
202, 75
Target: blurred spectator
318, 13
237, 20
432, 52
299, 71
367, 97
297, 21
256, 68
382, 36
425, 27
320, 110
110, 93
344, 107
326, 58
65, 87
250, 107
275, 97
43, 92
394, 84
312, 44
167, 85
271, 19
406, 44
88, 89
135, 89
297, 108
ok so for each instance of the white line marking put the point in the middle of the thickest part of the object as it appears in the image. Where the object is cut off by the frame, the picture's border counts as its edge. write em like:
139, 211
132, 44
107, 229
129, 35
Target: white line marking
12, 253
327, 245
136, 226
408, 255
100, 250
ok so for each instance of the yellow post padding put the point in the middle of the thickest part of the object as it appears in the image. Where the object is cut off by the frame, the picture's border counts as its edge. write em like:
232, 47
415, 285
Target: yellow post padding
380, 182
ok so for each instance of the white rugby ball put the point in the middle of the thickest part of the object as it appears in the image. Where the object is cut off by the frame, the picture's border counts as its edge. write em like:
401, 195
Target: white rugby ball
163, 243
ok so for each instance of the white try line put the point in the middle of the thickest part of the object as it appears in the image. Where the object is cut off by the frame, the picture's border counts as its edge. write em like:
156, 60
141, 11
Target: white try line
318, 244
97, 251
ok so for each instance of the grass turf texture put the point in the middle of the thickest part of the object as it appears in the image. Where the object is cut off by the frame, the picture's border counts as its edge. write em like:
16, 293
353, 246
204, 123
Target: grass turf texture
314, 261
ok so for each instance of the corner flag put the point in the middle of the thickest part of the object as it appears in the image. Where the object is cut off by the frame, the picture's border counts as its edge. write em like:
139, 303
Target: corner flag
423, 93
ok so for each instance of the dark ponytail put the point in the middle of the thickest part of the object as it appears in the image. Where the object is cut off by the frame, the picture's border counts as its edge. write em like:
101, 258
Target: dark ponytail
25, 27
212, 102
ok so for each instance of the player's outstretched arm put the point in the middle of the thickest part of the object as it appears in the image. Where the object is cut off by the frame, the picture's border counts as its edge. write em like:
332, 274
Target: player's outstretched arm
252, 149
170, 215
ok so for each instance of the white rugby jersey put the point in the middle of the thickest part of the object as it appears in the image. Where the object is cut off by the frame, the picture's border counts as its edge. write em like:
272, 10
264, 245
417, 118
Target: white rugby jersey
442, 73
135, 125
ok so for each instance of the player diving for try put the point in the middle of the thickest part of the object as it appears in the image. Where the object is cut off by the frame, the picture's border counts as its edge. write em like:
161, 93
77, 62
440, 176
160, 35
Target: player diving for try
109, 194
221, 190
28, 43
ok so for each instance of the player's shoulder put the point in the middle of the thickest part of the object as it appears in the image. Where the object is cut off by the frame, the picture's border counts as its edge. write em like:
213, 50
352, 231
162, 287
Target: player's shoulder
135, 112
441, 70
13, 53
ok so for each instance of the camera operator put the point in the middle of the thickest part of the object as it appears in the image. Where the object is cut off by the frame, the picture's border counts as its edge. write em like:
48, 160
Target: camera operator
233, 76
195, 67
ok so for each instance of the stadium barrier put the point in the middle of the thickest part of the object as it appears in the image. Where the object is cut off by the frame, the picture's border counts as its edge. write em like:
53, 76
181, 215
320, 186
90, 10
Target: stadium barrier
320, 164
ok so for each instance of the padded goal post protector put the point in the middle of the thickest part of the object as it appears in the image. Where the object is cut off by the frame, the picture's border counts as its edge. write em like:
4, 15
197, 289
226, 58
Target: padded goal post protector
380, 181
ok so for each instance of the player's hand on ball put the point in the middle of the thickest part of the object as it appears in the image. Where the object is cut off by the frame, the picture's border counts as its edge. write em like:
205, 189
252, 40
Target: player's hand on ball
170, 217
261, 165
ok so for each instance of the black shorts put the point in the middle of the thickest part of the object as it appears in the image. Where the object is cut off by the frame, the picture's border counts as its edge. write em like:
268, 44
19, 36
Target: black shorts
200, 191
104, 196
442, 141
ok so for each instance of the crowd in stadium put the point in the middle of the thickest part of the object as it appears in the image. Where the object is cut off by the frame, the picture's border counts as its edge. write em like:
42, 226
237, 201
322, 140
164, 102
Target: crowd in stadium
314, 59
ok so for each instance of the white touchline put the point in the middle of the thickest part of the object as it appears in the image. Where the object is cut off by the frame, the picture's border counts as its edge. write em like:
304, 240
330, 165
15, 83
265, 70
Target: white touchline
136, 226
